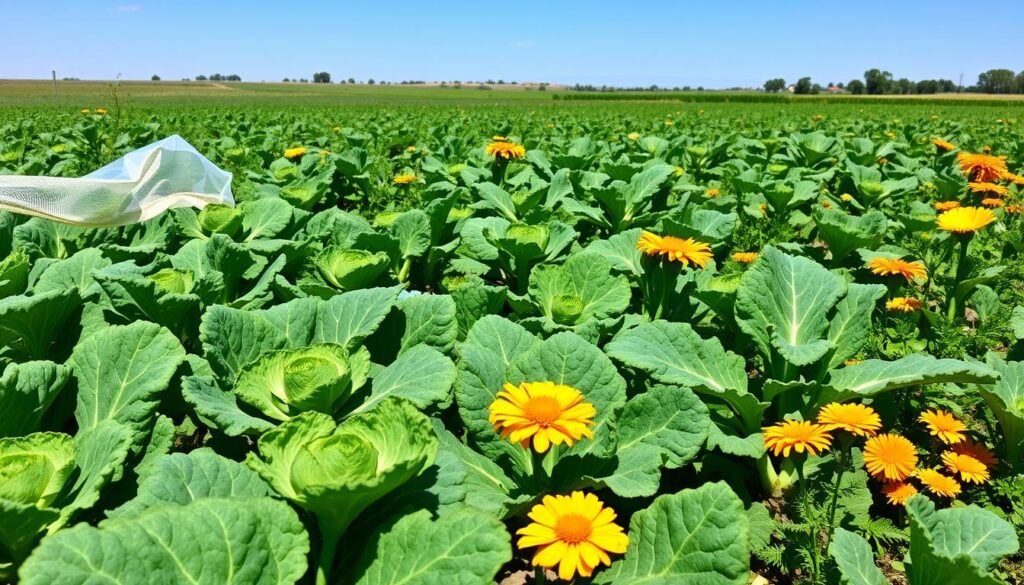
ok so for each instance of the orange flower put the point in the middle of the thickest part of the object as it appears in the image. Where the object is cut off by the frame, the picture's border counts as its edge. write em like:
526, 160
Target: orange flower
853, 418
712, 193
982, 167
903, 304
688, 251
944, 425
969, 468
945, 205
989, 188
544, 412
1015, 209
890, 457
938, 484
977, 450
796, 435
744, 257
898, 492
506, 150
942, 145
893, 266
992, 202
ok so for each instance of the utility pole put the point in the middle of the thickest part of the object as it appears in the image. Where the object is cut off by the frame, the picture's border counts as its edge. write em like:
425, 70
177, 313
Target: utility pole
960, 87
54, 73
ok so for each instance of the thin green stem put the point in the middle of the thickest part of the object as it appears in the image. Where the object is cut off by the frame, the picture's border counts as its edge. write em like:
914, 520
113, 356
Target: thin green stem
809, 518
840, 470
539, 577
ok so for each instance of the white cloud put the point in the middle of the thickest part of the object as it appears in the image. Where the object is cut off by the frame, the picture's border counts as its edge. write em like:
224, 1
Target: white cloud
129, 8
524, 44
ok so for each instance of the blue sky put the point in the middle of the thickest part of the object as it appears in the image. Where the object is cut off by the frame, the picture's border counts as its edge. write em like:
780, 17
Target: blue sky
714, 43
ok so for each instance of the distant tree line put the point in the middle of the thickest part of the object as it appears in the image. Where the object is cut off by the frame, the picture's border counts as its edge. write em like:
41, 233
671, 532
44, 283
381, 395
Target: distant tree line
218, 77
879, 82
609, 88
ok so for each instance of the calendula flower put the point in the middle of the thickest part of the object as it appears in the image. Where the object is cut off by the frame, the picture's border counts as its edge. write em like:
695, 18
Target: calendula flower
744, 257
944, 425
942, 145
938, 484
796, 435
1016, 179
296, 152
945, 205
826, 204
712, 193
988, 189
968, 468
1015, 209
965, 220
336, 129
506, 150
669, 122
634, 136
976, 450
544, 412
679, 171
403, 179
410, 148
898, 492
903, 304
890, 457
575, 532
982, 167
853, 418
883, 161
846, 198
100, 111
499, 138
86, 111
992, 202
896, 266
851, 362
687, 251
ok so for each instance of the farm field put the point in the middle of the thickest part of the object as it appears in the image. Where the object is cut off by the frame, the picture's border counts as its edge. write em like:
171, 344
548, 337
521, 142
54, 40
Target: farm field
490, 336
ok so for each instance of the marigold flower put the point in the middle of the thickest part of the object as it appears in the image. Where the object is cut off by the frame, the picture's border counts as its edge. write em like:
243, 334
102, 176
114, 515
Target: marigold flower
403, 179
846, 198
992, 202
890, 457
744, 257
575, 532
938, 484
851, 362
686, 251
982, 167
100, 111
544, 412
853, 418
634, 136
410, 148
296, 152
944, 425
903, 304
977, 450
1015, 209
506, 150
712, 193
898, 492
965, 220
945, 205
896, 266
988, 188
943, 145
86, 111
969, 468
1016, 179
796, 435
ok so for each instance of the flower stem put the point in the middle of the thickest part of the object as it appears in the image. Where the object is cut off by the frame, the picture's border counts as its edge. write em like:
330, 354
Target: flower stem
539, 577
809, 518
840, 470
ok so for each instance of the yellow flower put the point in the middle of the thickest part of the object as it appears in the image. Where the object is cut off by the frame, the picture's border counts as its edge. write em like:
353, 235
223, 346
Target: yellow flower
945, 205
1016, 179
969, 468
965, 220
851, 362
942, 145
336, 129
744, 257
410, 148
893, 266
853, 418
944, 425
976, 450
1015, 209
763, 208
982, 167
403, 179
679, 171
688, 251
898, 492
499, 138
846, 198
903, 304
634, 136
506, 150
551, 125
86, 110
989, 188
545, 412
796, 435
992, 202
100, 111
712, 193
295, 152
575, 532
938, 484
890, 457
669, 122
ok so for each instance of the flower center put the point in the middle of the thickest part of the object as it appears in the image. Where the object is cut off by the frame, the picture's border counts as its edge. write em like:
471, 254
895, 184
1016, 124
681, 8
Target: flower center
573, 528
543, 410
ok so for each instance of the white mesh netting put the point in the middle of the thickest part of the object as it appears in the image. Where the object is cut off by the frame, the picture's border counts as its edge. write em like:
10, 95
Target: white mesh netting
138, 186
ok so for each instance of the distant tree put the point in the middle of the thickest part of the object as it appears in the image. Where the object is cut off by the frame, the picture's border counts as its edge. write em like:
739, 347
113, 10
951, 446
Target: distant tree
200, 78
774, 85
997, 81
904, 86
803, 86
351, 80
542, 87
322, 77
877, 82
286, 80
816, 88
1020, 82
370, 81
155, 78
855, 87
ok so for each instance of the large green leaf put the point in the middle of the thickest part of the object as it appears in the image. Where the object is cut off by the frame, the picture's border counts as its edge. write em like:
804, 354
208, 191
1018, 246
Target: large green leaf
422, 375
850, 328
694, 537
26, 391
845, 233
219, 409
1006, 399
870, 377
783, 303
215, 541
348, 318
29, 325
580, 289
101, 453
854, 559
232, 338
956, 545
462, 547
